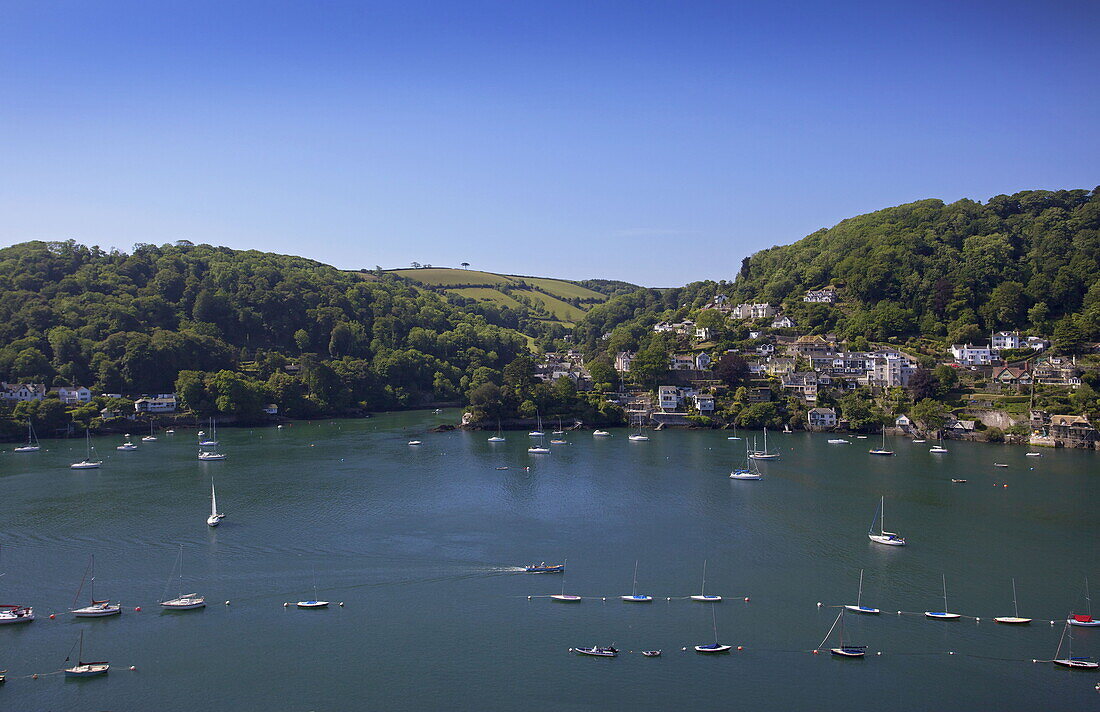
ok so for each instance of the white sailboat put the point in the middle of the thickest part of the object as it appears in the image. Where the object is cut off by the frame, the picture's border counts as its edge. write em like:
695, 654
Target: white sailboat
182, 601
1085, 620
1015, 618
559, 431
859, 607
764, 454
938, 448
212, 441
1072, 661
703, 595
215, 517
537, 432
881, 450
882, 536
943, 615
636, 597
313, 602
95, 609
749, 472
563, 596
151, 437
32, 440
714, 647
83, 669
499, 437
638, 435
88, 463
540, 448
843, 650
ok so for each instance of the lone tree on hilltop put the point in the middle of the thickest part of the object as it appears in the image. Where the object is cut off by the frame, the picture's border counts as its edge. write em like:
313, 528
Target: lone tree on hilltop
465, 265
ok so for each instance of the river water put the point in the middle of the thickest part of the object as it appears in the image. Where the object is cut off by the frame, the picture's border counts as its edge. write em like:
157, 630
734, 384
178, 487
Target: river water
421, 544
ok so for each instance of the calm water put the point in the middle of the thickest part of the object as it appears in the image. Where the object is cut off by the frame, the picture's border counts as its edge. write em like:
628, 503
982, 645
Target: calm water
419, 544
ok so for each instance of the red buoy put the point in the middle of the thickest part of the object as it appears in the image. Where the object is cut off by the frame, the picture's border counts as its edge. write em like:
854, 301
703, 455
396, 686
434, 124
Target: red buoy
137, 609
52, 616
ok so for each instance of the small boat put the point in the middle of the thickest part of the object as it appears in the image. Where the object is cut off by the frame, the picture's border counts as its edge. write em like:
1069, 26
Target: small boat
1071, 661
859, 607
95, 609
919, 440
957, 481
170, 431
536, 434
839, 441
764, 454
861, 437
597, 651
438, 411
559, 442
714, 647
127, 446
1085, 620
499, 437
636, 597
83, 669
999, 464
212, 441
16, 614
313, 602
32, 440
600, 434
503, 467
414, 442
544, 568
882, 536
1033, 454
651, 653
703, 595
183, 601
215, 517
844, 650
751, 471
787, 429
881, 450
151, 437
1015, 618
206, 456
563, 596
943, 615
87, 463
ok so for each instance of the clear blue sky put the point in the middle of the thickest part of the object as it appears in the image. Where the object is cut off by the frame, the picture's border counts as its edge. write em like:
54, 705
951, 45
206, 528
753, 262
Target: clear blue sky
656, 142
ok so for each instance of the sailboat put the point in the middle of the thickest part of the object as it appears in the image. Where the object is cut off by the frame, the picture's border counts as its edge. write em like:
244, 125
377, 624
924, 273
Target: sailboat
83, 669
938, 448
540, 448
215, 516
882, 536
182, 601
1015, 618
734, 436
127, 446
15, 614
881, 450
537, 432
638, 435
212, 441
1070, 661
87, 463
559, 431
859, 607
563, 596
749, 472
703, 595
151, 437
32, 440
1085, 620
843, 650
499, 437
943, 615
313, 602
636, 597
714, 647
764, 454
95, 609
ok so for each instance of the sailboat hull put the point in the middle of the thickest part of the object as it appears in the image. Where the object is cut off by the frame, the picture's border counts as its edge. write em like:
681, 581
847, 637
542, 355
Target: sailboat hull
28, 448
87, 670
565, 598
866, 610
185, 603
848, 652
97, 611
85, 465
706, 598
1012, 620
942, 616
886, 540
744, 475
1084, 623
1078, 664
637, 598
713, 648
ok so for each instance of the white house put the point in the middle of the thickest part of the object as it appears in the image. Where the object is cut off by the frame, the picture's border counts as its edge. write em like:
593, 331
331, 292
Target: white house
623, 359
702, 361
902, 421
1006, 340
970, 355
1036, 343
271, 409
669, 397
820, 296
892, 369
22, 391
162, 403
821, 418
72, 396
754, 311
782, 322
681, 362
704, 402
703, 333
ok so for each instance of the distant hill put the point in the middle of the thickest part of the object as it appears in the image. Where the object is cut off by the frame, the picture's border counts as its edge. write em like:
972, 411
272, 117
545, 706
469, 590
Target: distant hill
551, 300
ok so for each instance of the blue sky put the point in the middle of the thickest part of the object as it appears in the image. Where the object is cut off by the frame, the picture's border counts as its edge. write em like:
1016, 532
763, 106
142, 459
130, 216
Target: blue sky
655, 142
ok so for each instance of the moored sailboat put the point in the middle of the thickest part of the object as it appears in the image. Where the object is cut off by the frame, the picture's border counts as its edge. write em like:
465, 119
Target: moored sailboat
859, 607
1072, 661
1085, 620
703, 595
1015, 618
634, 596
88, 463
95, 609
182, 601
749, 472
83, 669
844, 650
714, 647
882, 449
32, 440
764, 454
943, 615
215, 517
882, 536
563, 596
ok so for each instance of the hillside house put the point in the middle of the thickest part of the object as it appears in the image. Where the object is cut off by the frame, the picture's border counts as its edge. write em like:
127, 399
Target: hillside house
703, 361
1005, 340
758, 394
681, 362
73, 396
754, 311
821, 418
960, 427
804, 384
704, 403
1073, 431
1056, 371
892, 369
703, 333
820, 296
161, 403
903, 423
271, 409
970, 355
1012, 376
669, 397
623, 359
1037, 343
22, 391
778, 365
782, 322
813, 345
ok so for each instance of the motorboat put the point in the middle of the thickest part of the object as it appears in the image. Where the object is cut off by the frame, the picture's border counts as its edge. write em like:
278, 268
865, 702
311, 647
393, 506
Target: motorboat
839, 441
544, 568
127, 446
206, 456
597, 651
600, 434
651, 653
414, 442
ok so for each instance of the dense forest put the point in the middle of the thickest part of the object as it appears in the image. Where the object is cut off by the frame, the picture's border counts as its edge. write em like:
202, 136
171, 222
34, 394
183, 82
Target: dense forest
951, 273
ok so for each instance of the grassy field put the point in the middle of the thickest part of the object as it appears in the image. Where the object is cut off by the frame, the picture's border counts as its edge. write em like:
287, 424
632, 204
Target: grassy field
486, 294
445, 276
558, 288
561, 310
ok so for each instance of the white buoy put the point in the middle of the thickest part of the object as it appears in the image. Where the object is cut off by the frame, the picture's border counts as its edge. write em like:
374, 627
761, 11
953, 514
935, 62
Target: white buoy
528, 598
341, 604
285, 604
819, 604
227, 603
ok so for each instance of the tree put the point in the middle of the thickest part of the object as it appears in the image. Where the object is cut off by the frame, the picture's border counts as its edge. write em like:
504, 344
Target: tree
650, 365
858, 411
465, 265
340, 340
1068, 337
731, 369
931, 414
601, 372
922, 384
946, 377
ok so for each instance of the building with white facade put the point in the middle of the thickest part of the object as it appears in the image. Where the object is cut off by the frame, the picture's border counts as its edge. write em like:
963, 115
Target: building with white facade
820, 296
623, 359
970, 355
669, 397
22, 391
162, 403
72, 396
754, 311
821, 418
1006, 340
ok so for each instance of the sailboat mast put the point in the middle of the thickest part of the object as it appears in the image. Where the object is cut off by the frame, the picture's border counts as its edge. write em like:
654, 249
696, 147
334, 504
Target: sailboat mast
703, 588
945, 608
1015, 607
634, 590
859, 596
564, 566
